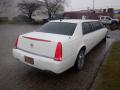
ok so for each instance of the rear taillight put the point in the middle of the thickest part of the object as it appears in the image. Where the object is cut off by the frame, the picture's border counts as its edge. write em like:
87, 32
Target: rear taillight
58, 53
16, 43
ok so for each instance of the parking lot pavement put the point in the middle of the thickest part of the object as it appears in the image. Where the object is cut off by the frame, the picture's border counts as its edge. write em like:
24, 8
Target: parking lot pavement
15, 75
115, 35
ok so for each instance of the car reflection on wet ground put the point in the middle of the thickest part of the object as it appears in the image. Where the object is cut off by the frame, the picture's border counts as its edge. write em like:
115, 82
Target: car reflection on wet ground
15, 75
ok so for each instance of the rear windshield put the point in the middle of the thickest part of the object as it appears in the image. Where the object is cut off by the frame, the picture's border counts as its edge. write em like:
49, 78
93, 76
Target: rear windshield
63, 28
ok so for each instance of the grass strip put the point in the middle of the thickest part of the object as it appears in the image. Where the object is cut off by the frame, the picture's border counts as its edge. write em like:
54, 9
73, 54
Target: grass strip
110, 72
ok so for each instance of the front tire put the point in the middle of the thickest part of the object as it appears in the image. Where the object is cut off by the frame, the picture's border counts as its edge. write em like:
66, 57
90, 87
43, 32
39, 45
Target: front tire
80, 61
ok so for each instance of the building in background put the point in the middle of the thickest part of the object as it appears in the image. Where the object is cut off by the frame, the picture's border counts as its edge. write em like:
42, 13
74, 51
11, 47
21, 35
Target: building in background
116, 13
12, 11
89, 14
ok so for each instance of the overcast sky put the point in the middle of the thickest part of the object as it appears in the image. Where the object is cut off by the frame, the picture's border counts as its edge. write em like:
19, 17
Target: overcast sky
75, 5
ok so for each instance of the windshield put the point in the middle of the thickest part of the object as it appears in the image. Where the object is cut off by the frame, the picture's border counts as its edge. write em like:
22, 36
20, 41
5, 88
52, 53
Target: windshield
63, 28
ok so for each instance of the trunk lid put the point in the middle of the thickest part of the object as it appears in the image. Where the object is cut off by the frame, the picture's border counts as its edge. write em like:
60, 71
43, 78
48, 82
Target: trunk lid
43, 44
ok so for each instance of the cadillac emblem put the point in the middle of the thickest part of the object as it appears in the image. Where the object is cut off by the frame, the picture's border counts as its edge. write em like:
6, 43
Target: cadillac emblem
31, 45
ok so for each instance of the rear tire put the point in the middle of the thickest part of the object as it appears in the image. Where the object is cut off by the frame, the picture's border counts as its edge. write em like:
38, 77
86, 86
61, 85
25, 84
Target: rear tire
105, 38
80, 61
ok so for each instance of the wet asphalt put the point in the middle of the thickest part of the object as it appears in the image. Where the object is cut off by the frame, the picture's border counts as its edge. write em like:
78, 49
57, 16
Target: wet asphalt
15, 75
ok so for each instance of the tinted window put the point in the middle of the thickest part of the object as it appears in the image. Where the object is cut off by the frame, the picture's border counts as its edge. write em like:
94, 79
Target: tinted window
101, 25
63, 28
102, 17
86, 27
108, 18
97, 25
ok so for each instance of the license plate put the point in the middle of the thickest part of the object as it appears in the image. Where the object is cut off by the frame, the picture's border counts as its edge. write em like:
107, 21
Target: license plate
29, 60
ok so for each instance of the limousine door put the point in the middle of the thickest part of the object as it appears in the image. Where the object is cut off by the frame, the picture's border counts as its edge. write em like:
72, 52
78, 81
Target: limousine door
88, 36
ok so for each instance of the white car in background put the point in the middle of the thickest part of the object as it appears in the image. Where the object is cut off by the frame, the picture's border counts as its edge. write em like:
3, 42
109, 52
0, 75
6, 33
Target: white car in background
108, 20
60, 44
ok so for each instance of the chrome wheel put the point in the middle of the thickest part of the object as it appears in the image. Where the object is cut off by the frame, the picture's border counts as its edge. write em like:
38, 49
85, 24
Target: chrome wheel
80, 60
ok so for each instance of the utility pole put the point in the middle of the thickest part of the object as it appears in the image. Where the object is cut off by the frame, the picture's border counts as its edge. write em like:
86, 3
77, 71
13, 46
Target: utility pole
93, 4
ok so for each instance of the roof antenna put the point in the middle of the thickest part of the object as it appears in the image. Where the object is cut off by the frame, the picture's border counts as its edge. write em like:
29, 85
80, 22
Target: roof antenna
83, 17
60, 19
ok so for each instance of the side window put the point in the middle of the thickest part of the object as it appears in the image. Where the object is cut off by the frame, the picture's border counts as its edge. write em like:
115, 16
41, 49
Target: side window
101, 25
102, 18
96, 26
86, 28
92, 27
108, 18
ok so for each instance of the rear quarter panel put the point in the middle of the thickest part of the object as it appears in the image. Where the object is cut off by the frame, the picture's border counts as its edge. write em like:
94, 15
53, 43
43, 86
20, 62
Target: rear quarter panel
72, 46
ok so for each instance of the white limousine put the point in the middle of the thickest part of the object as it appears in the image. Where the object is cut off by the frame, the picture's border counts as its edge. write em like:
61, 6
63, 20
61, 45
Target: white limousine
59, 44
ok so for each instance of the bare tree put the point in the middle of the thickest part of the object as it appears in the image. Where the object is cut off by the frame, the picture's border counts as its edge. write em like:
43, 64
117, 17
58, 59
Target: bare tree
53, 7
28, 7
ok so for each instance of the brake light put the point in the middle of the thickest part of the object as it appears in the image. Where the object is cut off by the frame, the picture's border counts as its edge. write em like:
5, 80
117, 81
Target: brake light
36, 39
58, 53
16, 43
